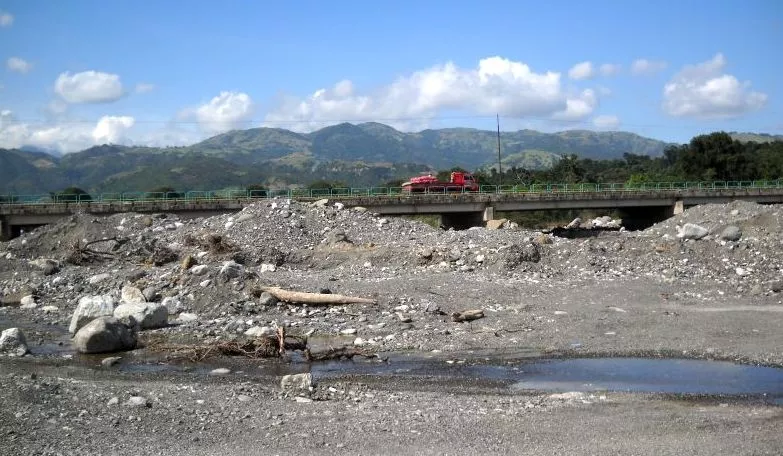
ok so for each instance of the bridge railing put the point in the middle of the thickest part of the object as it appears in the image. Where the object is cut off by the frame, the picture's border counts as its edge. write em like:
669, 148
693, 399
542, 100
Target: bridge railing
216, 195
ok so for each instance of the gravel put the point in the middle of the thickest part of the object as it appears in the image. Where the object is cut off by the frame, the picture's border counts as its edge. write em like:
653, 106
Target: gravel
643, 293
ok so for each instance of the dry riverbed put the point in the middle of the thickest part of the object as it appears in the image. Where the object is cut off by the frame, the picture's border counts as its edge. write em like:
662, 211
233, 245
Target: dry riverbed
703, 286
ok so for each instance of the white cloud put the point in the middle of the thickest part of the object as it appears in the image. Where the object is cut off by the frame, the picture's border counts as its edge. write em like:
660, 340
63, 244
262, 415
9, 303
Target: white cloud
606, 122
582, 70
224, 112
704, 91
609, 69
18, 64
6, 19
644, 66
110, 129
496, 85
64, 137
144, 87
89, 87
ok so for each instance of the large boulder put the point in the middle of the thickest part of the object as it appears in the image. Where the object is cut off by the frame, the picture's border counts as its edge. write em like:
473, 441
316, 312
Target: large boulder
13, 342
146, 315
104, 335
89, 308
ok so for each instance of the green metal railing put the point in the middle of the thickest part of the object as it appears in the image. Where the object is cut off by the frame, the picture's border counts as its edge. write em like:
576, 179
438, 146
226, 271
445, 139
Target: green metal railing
223, 195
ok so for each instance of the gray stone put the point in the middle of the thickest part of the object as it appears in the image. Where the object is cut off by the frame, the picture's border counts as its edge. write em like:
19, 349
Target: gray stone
147, 315
731, 233
231, 270
260, 331
692, 231
104, 335
267, 299
132, 295
199, 269
297, 382
89, 308
13, 342
137, 401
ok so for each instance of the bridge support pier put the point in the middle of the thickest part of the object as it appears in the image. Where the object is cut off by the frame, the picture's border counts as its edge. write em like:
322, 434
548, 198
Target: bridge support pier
679, 207
489, 214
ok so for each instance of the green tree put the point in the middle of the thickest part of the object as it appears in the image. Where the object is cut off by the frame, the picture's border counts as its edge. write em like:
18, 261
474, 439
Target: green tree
165, 192
257, 190
71, 194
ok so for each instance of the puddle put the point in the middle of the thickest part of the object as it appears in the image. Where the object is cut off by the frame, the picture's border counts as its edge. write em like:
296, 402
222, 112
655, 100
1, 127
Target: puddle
590, 374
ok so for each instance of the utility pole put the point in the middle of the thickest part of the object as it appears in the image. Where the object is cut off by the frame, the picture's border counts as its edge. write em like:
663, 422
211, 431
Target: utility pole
500, 169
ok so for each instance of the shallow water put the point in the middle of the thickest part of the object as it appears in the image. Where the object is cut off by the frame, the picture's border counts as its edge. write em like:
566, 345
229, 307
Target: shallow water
681, 376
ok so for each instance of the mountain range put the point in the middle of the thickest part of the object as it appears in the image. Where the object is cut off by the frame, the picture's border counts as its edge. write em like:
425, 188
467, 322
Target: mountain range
357, 154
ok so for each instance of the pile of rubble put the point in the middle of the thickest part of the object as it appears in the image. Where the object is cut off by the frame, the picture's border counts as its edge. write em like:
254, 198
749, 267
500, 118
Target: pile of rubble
126, 273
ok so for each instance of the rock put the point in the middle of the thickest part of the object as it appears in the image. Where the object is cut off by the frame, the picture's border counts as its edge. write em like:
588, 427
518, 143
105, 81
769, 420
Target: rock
187, 262
574, 223
132, 295
231, 270
515, 254
104, 335
496, 224
172, 303
48, 266
146, 315
89, 308
98, 278
260, 331
268, 267
137, 401
220, 371
731, 233
267, 299
297, 382
150, 294
187, 317
198, 270
110, 361
13, 342
321, 202
28, 302
692, 231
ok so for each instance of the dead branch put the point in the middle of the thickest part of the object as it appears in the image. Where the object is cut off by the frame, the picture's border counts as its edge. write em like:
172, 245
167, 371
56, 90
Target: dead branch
263, 347
81, 253
467, 315
314, 298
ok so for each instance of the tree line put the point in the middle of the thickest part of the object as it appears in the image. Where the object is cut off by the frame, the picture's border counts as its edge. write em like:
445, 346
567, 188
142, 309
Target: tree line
711, 157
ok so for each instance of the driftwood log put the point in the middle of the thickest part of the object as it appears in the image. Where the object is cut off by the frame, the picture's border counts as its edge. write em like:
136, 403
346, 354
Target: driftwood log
467, 315
315, 298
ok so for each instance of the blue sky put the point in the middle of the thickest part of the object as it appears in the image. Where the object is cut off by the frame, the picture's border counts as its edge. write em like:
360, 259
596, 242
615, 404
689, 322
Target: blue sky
80, 72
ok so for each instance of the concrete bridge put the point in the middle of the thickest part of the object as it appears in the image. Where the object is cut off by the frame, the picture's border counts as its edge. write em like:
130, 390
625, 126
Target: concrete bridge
459, 210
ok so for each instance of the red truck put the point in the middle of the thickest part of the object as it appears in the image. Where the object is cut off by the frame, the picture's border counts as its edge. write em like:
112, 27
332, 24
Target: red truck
459, 182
